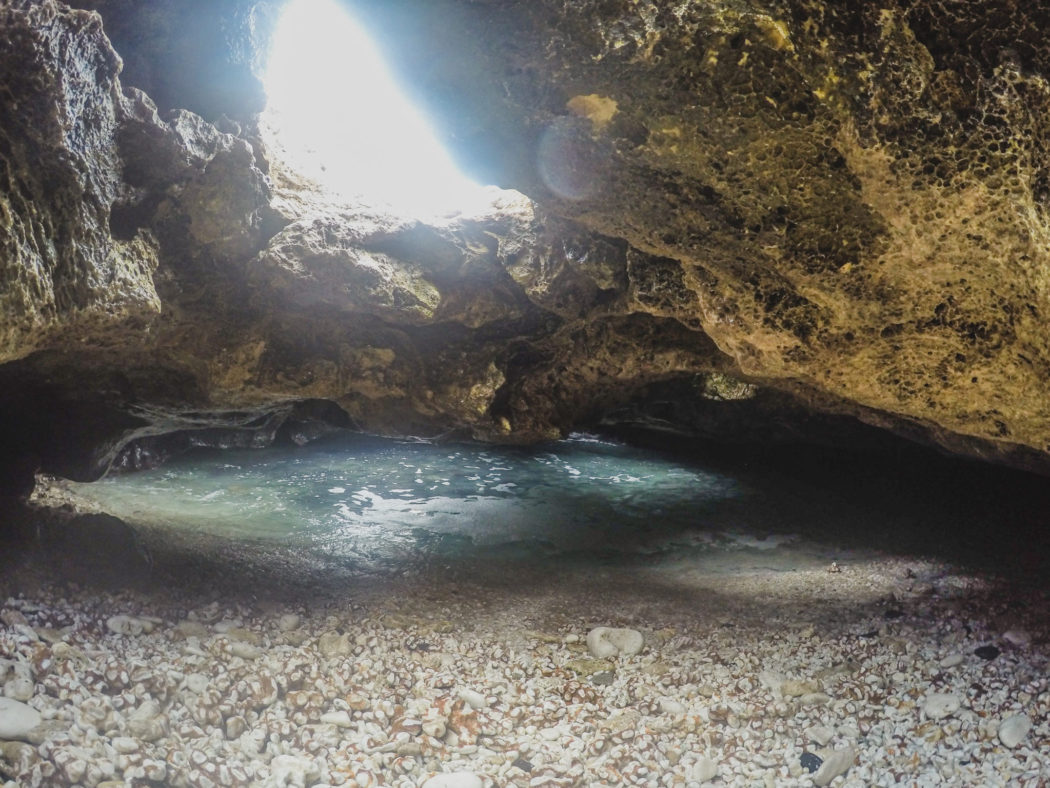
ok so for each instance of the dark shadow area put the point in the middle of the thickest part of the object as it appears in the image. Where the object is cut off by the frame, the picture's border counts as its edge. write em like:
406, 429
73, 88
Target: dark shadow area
906, 498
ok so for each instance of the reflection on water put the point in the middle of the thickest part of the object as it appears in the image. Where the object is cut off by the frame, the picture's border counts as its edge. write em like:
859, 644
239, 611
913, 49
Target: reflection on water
376, 502
362, 503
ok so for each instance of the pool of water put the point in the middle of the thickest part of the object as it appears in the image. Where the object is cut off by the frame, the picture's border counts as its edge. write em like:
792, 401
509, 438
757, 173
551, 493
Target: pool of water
380, 503
367, 503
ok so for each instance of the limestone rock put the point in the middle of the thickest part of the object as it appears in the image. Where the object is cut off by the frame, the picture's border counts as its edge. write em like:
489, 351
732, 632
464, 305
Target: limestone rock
333, 644
17, 719
783, 210
62, 274
148, 722
704, 770
941, 704
1014, 729
835, 764
128, 625
605, 642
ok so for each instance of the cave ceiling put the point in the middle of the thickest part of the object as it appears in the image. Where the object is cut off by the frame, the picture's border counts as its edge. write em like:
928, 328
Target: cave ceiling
845, 206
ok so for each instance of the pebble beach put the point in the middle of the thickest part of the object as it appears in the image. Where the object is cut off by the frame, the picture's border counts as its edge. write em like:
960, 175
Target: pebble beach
885, 670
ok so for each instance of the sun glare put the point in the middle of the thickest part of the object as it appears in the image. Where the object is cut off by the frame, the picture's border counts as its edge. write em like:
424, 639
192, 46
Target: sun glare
341, 120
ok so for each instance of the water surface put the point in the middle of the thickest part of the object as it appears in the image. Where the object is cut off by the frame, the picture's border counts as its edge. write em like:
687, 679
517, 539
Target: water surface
375, 502
378, 504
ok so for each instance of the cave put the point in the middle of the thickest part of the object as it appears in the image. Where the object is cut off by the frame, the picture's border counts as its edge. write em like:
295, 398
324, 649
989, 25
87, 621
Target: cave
476, 393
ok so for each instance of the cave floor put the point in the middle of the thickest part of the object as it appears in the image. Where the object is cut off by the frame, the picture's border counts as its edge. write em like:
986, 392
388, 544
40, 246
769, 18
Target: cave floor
251, 669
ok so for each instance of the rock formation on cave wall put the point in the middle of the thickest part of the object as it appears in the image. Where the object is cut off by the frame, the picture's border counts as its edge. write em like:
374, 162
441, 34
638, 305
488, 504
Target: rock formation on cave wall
845, 204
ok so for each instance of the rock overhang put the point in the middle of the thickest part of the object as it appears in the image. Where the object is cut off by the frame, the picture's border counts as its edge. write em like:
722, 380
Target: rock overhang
827, 201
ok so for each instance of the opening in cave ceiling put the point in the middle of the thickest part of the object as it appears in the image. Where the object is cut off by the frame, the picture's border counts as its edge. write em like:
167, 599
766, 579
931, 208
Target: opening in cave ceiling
336, 115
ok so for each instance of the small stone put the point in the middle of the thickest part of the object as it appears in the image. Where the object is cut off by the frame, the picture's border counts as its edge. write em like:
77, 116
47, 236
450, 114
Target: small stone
235, 727
245, 650
671, 706
65, 652
128, 625
47, 729
434, 727
521, 763
244, 635
939, 705
19, 688
125, 745
197, 683
703, 770
951, 661
147, 722
293, 770
288, 622
473, 699
191, 629
332, 644
454, 780
792, 688
605, 642
18, 756
603, 678
341, 719
1017, 638
1013, 730
820, 734
835, 764
810, 762
17, 719
13, 618
986, 652
588, 667
357, 702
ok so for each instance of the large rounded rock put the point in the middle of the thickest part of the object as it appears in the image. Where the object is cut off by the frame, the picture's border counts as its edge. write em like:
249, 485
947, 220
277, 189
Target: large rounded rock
605, 642
17, 719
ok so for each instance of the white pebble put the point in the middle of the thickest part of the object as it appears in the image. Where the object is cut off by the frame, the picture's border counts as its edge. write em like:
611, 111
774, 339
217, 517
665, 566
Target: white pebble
17, 719
605, 642
1013, 730
473, 699
951, 661
835, 764
288, 622
340, 719
1017, 637
128, 625
125, 744
941, 704
245, 650
671, 706
19, 688
703, 770
820, 734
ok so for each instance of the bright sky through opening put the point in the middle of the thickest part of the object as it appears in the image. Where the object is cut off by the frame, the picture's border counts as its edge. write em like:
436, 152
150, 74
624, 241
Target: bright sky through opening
343, 122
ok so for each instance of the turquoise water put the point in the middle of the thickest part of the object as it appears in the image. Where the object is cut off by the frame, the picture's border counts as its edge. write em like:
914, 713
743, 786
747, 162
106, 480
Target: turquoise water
366, 503
382, 503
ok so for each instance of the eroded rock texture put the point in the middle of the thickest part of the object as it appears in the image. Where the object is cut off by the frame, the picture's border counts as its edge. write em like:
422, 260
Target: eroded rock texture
847, 205
849, 196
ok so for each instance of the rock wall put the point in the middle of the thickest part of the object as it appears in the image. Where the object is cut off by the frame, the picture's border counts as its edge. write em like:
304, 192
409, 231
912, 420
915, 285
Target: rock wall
851, 197
846, 204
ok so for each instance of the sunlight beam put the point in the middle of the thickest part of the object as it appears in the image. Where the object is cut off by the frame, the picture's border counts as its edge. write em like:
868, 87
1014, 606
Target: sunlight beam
342, 121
